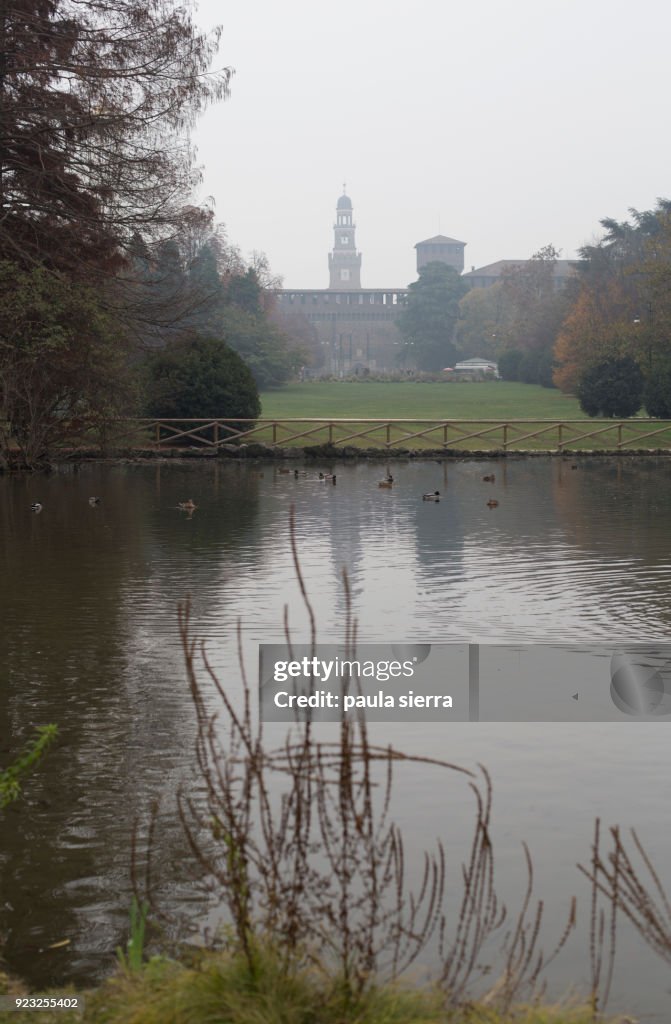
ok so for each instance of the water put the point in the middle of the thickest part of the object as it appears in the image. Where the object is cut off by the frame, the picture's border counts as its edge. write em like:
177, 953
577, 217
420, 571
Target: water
88, 612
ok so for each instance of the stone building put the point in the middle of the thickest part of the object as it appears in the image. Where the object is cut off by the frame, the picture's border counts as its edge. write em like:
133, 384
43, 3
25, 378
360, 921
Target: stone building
493, 273
356, 326
441, 249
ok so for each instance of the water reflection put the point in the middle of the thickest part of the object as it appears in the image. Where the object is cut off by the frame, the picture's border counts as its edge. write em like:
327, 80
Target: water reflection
89, 641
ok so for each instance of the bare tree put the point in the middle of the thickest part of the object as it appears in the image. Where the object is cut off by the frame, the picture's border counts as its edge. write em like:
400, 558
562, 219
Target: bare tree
96, 101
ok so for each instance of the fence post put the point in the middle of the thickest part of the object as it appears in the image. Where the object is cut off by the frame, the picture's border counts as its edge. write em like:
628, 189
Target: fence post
505, 437
157, 435
215, 434
560, 435
619, 435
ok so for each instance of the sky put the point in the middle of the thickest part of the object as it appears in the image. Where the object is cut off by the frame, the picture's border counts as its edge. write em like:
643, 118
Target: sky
508, 126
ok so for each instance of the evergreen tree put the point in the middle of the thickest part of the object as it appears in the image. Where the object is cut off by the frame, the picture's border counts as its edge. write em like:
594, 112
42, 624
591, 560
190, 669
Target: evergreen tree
428, 323
613, 388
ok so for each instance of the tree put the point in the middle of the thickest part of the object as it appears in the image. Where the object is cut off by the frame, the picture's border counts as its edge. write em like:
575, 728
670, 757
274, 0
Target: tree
61, 359
624, 302
600, 327
509, 363
95, 100
200, 377
657, 391
265, 348
96, 169
484, 318
611, 388
427, 324
535, 307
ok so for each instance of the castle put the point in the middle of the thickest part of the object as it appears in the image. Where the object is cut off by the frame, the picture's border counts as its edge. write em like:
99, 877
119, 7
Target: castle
355, 326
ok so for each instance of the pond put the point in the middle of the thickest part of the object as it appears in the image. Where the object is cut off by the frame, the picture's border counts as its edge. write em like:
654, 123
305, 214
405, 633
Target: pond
577, 552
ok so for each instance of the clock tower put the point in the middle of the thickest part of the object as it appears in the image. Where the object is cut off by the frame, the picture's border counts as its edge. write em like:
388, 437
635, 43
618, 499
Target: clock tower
344, 261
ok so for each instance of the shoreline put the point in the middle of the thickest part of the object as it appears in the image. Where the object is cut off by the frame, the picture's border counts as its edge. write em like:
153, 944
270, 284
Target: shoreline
260, 452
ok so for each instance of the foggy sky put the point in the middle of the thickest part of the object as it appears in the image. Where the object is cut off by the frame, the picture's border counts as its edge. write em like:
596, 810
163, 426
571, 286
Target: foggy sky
505, 125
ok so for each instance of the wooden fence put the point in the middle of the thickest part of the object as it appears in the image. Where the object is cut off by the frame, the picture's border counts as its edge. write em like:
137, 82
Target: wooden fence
469, 435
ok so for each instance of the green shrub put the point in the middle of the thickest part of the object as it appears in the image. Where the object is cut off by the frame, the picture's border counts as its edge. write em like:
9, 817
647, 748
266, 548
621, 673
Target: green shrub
611, 388
200, 378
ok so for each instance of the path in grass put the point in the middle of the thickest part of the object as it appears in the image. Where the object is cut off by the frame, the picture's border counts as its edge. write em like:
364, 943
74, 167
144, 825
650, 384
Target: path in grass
468, 401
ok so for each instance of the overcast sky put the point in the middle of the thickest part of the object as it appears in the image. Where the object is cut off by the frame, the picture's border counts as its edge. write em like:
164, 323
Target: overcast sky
505, 125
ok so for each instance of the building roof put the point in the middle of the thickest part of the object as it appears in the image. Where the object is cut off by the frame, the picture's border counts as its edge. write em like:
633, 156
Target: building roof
562, 268
440, 240
344, 203
494, 269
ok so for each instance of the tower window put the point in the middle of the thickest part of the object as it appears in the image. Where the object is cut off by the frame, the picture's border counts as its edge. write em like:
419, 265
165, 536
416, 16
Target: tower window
344, 239
344, 275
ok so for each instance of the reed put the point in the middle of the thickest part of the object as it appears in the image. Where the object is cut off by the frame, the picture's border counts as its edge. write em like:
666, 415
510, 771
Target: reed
299, 846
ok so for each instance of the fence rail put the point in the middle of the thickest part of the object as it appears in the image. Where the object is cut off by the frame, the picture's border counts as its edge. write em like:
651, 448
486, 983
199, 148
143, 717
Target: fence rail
417, 434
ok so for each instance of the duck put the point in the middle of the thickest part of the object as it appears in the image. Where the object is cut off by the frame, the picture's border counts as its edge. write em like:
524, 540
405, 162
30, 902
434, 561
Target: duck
283, 469
386, 483
187, 506
492, 503
327, 478
36, 506
94, 501
431, 497
489, 479
299, 473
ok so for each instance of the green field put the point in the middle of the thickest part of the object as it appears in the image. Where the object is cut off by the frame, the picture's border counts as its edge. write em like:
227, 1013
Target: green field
408, 400
521, 415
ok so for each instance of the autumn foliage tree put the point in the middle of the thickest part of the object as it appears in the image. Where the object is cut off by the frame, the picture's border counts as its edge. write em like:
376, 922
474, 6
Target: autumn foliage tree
518, 318
96, 100
622, 314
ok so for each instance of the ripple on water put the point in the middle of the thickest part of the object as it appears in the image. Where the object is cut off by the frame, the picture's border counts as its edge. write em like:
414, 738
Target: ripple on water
89, 603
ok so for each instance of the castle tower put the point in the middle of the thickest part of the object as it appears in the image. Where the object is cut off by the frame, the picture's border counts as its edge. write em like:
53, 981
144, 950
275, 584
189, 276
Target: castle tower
441, 249
344, 261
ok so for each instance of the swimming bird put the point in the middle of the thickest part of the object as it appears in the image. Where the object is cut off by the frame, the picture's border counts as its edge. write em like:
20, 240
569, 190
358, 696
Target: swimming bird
36, 507
327, 478
94, 501
386, 483
489, 479
431, 497
282, 469
492, 503
187, 506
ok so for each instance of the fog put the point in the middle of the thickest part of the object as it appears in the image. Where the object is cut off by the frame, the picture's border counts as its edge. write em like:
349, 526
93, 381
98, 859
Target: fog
506, 126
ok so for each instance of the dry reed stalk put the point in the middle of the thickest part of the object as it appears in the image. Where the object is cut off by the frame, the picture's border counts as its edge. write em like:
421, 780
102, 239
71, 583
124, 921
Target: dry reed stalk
298, 844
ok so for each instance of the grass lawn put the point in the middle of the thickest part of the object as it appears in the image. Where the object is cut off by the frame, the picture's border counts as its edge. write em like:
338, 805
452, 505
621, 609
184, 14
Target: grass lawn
407, 400
475, 402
